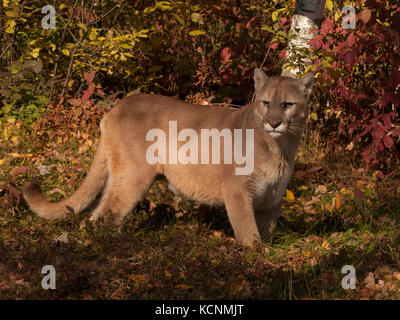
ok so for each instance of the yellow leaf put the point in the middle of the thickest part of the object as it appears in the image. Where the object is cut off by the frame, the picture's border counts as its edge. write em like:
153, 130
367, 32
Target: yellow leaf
5, 134
337, 203
15, 140
275, 15
11, 25
290, 195
92, 36
308, 68
35, 53
168, 274
1, 162
65, 52
314, 116
329, 5
82, 26
196, 33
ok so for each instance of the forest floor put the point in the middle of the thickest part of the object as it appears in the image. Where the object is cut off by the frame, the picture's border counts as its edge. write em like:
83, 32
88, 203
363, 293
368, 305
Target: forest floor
334, 214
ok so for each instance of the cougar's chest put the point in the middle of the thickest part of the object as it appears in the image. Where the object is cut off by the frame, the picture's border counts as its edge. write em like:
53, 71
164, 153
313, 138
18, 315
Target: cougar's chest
271, 184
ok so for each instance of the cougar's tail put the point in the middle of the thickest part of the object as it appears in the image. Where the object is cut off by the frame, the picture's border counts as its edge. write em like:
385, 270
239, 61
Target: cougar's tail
81, 199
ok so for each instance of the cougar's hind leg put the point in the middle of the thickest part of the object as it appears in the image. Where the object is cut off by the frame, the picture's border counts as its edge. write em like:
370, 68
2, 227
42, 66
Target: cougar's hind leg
123, 191
126, 192
103, 205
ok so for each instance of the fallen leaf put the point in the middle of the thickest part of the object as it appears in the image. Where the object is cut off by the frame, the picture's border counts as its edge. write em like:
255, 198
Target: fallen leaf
17, 171
370, 281
322, 189
183, 286
290, 195
62, 238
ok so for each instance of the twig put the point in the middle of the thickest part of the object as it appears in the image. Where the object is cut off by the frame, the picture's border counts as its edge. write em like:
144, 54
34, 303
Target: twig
70, 67
5, 50
262, 64
103, 16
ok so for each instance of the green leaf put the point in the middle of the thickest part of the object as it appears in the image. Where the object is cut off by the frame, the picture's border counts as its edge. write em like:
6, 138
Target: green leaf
7, 108
11, 13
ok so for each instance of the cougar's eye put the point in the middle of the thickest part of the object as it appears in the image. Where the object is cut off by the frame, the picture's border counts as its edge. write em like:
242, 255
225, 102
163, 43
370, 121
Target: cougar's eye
287, 105
265, 102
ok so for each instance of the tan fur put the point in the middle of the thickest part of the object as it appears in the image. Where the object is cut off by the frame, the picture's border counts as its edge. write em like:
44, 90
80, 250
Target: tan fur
121, 170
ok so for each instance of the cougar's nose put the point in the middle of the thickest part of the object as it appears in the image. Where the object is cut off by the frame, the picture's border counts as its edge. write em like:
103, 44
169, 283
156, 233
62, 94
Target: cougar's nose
274, 123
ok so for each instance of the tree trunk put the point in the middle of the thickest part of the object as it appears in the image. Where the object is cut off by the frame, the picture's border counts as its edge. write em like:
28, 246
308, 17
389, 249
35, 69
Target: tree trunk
307, 17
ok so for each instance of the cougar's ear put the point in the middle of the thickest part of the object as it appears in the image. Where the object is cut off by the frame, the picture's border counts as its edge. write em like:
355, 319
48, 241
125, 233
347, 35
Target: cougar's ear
260, 78
306, 84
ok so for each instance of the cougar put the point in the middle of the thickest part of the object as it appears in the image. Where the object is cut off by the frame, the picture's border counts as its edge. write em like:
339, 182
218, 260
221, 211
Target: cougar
133, 151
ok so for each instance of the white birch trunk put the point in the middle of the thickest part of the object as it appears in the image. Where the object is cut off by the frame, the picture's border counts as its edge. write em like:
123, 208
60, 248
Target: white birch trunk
302, 28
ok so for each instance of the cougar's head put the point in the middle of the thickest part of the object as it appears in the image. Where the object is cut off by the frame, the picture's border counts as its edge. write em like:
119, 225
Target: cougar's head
282, 102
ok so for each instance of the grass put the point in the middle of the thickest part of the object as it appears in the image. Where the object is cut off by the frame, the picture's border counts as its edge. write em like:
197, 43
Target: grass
174, 249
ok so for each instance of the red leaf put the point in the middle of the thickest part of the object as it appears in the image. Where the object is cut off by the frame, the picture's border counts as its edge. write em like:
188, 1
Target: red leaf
101, 92
226, 53
248, 24
13, 194
379, 132
351, 40
358, 194
366, 15
380, 174
274, 45
17, 171
89, 76
75, 102
388, 142
88, 93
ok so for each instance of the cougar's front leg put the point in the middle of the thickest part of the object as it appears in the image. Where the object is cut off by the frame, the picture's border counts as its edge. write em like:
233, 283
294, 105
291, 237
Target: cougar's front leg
239, 206
266, 221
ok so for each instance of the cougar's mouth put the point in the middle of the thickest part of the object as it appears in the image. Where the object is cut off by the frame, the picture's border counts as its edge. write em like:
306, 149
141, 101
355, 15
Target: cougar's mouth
275, 134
